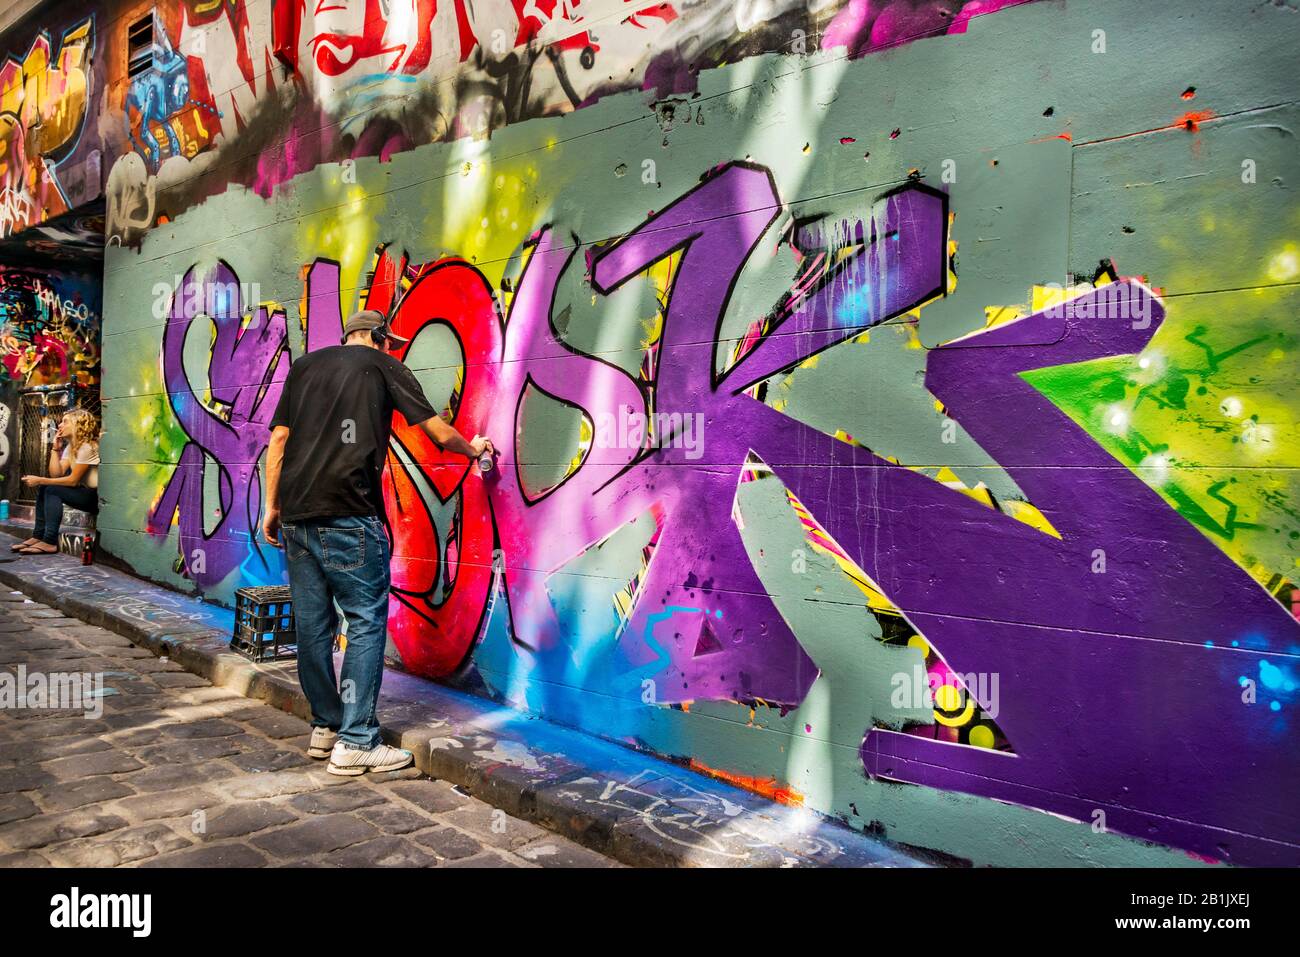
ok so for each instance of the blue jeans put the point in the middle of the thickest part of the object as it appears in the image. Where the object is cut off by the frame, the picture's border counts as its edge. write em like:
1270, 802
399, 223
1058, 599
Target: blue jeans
50, 500
342, 559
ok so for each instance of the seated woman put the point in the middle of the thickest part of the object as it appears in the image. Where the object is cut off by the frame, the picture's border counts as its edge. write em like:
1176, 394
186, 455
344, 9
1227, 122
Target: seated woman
74, 480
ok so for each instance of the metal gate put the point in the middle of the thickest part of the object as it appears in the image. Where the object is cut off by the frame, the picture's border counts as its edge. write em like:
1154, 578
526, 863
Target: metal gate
38, 418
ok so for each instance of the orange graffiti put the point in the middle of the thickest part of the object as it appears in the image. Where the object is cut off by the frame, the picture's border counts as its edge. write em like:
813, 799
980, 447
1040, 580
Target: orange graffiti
1192, 120
42, 107
189, 128
763, 787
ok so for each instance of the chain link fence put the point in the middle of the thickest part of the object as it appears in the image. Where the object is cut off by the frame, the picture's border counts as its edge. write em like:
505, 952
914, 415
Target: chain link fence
39, 411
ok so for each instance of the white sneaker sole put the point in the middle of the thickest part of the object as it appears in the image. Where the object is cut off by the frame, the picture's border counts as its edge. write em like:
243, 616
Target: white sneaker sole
355, 770
319, 753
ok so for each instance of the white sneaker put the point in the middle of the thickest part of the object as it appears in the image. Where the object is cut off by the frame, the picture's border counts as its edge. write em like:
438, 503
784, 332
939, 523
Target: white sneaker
322, 743
353, 761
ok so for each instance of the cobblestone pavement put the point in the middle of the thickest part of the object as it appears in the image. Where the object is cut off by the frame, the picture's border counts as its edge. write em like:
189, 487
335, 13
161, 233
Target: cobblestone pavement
178, 773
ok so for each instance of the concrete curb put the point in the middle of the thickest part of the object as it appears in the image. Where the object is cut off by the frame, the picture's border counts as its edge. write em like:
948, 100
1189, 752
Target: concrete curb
635, 808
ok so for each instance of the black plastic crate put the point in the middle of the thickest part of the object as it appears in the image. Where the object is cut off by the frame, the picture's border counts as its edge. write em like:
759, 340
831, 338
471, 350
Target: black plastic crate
264, 625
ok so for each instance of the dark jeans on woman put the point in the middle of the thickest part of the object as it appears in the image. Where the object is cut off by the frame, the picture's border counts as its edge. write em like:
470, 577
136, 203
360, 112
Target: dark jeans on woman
50, 500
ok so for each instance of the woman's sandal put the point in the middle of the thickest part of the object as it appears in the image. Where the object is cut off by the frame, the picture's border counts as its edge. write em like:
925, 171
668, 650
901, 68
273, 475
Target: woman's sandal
33, 550
21, 545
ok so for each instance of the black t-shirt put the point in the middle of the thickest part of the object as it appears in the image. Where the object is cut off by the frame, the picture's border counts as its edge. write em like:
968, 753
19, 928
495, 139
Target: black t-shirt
338, 405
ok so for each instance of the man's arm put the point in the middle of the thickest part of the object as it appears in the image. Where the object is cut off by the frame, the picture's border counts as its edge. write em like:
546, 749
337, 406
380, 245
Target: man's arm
409, 399
274, 461
445, 436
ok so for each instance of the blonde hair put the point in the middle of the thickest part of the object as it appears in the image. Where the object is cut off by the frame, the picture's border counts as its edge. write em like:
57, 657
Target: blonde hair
84, 427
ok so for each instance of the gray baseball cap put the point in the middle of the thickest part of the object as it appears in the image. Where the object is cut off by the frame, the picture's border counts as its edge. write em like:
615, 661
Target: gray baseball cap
368, 319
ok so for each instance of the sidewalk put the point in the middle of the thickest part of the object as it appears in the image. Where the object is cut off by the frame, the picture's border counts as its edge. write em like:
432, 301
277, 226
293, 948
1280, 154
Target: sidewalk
164, 770
617, 802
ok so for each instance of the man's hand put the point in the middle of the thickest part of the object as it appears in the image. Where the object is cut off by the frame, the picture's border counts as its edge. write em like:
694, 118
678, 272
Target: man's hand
274, 461
481, 444
271, 527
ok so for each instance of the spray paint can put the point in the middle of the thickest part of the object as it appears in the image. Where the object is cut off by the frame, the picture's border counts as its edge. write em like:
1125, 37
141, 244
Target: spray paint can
485, 463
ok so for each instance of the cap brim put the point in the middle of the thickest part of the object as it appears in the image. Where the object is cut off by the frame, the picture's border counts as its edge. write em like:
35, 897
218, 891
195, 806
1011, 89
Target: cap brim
397, 340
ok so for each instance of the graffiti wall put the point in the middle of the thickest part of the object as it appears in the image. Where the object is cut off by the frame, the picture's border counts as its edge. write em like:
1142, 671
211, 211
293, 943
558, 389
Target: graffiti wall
254, 92
49, 327
49, 335
894, 401
51, 158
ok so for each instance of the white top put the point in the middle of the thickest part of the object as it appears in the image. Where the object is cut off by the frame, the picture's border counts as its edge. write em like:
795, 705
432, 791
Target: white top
87, 454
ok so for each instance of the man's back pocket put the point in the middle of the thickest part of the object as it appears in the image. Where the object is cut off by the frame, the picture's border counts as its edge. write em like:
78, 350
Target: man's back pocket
342, 548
